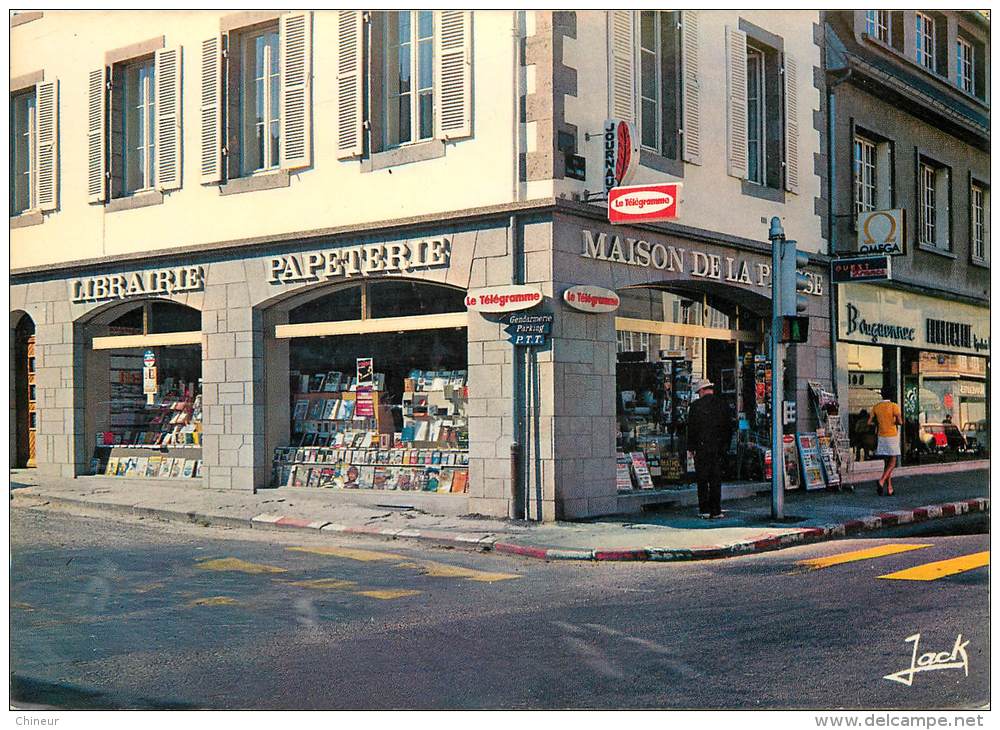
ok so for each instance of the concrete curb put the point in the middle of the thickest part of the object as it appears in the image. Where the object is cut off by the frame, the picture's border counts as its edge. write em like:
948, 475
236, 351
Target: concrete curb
490, 541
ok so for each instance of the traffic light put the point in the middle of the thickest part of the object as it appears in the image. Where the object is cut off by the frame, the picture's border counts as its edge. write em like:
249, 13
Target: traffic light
794, 282
794, 329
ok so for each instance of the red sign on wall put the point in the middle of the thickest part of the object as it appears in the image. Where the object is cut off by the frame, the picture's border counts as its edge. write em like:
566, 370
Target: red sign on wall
643, 203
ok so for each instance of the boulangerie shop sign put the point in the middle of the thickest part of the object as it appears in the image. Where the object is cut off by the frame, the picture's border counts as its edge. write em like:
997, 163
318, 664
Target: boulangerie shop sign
176, 280
360, 260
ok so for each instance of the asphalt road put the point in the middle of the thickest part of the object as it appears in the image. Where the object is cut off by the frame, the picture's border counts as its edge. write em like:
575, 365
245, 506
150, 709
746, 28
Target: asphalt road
108, 614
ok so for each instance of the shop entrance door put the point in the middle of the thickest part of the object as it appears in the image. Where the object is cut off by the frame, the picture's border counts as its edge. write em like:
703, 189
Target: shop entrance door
25, 417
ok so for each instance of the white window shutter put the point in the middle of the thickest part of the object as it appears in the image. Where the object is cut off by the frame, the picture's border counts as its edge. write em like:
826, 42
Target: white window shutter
691, 121
791, 92
168, 118
736, 102
47, 141
621, 65
211, 110
453, 73
97, 112
350, 132
295, 34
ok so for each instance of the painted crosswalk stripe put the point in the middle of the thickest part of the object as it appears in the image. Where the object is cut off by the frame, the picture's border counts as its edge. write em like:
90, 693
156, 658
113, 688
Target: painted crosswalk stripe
854, 555
942, 568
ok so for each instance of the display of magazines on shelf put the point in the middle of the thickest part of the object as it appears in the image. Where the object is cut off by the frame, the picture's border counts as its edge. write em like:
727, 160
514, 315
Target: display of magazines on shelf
159, 438
414, 442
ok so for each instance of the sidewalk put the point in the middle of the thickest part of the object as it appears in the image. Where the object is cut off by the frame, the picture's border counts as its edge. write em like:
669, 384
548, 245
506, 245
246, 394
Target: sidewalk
671, 533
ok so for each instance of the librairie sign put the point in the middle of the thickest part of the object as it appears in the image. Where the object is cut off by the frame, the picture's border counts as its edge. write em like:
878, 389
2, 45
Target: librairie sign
503, 298
882, 232
529, 330
175, 280
591, 299
860, 268
360, 260
643, 203
621, 153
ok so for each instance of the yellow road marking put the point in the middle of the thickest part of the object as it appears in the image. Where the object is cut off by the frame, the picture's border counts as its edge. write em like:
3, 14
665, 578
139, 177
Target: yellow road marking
213, 601
850, 557
942, 568
323, 583
235, 564
430, 568
22, 606
147, 588
387, 594
349, 553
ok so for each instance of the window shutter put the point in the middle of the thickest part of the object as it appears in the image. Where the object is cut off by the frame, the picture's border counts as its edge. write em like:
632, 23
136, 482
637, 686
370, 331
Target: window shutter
168, 118
791, 77
621, 62
691, 120
96, 115
47, 136
295, 34
453, 73
211, 110
736, 107
350, 134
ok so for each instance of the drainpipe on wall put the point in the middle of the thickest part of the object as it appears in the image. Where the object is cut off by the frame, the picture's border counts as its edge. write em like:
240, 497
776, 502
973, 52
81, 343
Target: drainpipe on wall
831, 114
518, 484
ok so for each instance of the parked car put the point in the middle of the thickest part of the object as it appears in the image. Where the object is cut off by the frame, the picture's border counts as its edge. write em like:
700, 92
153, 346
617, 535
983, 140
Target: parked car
942, 437
977, 435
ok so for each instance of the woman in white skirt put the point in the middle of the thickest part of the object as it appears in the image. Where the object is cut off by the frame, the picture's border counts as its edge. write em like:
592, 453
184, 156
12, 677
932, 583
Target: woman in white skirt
887, 416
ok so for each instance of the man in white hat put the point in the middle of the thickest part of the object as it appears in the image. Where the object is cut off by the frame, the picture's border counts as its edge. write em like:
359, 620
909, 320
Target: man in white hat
710, 430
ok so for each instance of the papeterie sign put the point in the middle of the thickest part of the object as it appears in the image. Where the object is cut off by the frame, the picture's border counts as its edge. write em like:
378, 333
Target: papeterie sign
137, 284
621, 152
882, 232
643, 203
503, 298
591, 299
360, 260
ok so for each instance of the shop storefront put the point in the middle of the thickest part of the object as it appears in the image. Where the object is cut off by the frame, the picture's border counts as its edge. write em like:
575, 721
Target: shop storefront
928, 354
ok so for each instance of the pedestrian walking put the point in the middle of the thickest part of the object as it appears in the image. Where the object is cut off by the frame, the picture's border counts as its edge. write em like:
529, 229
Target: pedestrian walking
888, 418
710, 430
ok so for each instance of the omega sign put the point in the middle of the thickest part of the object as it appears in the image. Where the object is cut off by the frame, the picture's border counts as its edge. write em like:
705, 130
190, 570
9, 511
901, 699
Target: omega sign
146, 283
362, 260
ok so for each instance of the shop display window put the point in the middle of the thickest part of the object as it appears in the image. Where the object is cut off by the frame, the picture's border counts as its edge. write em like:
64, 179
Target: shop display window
409, 432
147, 418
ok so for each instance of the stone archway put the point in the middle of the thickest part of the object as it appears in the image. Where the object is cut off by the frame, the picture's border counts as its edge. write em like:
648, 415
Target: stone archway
22, 390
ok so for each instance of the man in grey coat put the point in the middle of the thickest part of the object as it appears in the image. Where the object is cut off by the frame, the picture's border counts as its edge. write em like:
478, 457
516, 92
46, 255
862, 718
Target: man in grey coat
710, 430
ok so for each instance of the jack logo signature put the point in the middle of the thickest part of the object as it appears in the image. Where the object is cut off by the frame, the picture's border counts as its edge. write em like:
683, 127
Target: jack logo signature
931, 661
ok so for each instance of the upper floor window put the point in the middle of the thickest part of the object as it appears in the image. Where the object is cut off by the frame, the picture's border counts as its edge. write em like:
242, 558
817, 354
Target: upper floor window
926, 41
872, 173
756, 118
934, 194
22, 145
408, 75
34, 135
865, 180
134, 124
877, 24
256, 100
259, 127
965, 65
980, 204
659, 80
411, 83
762, 112
133, 166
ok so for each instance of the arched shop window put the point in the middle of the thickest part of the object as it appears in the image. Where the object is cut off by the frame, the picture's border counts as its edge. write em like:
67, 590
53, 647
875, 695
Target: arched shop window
666, 340
144, 391
405, 428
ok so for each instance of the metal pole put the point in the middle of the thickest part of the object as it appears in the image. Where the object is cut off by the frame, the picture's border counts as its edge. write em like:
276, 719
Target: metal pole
777, 236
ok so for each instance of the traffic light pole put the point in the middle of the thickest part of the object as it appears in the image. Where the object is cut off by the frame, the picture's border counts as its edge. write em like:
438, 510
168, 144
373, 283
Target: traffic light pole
777, 236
